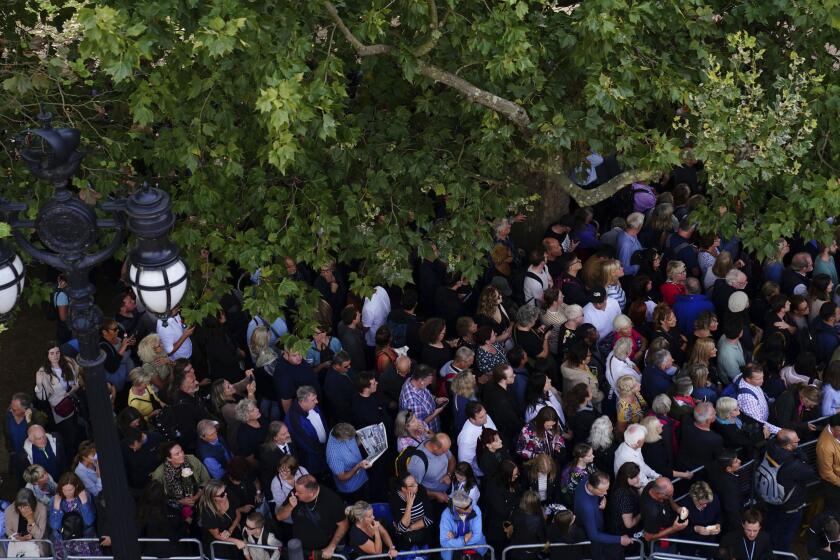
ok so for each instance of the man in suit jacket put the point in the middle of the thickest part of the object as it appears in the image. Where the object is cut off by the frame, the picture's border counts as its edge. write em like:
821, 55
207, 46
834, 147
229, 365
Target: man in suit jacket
309, 429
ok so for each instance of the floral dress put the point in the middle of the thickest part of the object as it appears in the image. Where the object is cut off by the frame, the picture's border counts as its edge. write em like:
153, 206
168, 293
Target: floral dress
485, 361
530, 444
570, 478
631, 411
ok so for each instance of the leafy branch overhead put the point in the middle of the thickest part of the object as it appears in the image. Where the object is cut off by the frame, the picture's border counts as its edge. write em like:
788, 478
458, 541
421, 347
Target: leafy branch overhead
359, 131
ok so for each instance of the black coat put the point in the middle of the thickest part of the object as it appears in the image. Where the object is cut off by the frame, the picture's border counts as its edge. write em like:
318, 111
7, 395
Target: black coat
699, 447
727, 488
503, 407
527, 529
784, 412
498, 503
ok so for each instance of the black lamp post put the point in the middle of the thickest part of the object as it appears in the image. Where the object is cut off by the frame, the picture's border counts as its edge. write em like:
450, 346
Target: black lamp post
68, 227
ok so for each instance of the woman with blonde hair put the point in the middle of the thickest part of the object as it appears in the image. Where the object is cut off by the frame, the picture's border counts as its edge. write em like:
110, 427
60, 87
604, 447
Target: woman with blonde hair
704, 517
610, 277
366, 533
657, 451
155, 361
674, 285
143, 396
463, 390
265, 363
219, 517
631, 406
703, 352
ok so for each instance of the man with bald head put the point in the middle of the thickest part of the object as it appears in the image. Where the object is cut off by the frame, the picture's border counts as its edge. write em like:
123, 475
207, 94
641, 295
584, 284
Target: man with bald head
781, 482
392, 380
41, 448
431, 467
660, 514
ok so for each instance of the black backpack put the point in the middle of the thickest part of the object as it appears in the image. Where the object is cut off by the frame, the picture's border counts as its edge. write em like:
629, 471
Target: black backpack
72, 526
402, 460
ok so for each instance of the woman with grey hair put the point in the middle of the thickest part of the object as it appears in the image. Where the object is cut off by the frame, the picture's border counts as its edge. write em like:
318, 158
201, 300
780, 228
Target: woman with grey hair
346, 463
535, 342
252, 430
26, 520
601, 440
620, 364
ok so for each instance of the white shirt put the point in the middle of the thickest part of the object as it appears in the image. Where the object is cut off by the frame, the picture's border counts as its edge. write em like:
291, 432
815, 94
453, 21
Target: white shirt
533, 289
553, 402
602, 320
374, 313
170, 334
467, 441
616, 368
318, 424
626, 454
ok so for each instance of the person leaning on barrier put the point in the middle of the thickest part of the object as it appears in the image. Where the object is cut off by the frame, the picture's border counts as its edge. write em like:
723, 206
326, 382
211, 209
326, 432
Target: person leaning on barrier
256, 533
590, 502
318, 518
26, 520
660, 514
460, 527
366, 533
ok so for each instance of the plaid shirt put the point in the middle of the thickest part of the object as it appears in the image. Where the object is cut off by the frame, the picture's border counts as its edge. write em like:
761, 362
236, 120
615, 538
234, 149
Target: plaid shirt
754, 404
420, 402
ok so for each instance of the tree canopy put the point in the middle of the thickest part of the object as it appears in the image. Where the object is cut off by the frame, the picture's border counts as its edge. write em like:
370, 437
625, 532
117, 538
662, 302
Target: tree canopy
358, 131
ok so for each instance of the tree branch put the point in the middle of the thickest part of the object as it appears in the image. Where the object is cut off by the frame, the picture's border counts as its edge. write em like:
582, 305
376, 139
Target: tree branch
590, 197
360, 48
508, 109
433, 27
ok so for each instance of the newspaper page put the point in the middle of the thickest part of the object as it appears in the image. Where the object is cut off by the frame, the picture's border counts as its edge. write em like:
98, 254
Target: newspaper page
374, 440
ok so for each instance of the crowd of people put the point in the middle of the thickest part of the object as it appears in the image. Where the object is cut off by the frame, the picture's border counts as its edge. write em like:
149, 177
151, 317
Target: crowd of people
557, 399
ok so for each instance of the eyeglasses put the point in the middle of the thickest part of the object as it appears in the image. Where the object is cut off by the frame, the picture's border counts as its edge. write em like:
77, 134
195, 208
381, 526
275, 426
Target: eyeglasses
222, 494
249, 528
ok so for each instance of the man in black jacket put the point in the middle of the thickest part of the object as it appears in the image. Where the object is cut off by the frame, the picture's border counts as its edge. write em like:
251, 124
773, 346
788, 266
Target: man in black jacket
702, 444
723, 477
749, 542
792, 473
501, 404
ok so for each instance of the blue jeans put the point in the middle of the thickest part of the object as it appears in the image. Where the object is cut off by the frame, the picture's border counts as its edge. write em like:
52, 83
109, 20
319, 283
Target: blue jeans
782, 526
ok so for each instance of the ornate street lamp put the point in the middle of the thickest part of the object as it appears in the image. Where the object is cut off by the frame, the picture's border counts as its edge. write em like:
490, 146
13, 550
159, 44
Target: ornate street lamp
68, 228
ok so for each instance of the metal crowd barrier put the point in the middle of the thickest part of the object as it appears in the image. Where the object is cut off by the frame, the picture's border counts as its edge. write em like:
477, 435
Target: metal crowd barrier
427, 551
41, 542
542, 546
272, 549
664, 555
196, 542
